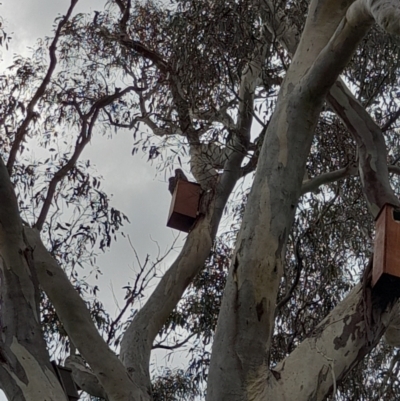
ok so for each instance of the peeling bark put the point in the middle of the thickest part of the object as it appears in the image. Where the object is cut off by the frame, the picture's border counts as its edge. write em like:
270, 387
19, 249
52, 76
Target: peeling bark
335, 346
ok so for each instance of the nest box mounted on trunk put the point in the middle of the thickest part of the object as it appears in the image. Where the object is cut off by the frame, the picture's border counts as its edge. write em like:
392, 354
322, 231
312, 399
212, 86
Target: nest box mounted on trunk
386, 265
184, 205
65, 377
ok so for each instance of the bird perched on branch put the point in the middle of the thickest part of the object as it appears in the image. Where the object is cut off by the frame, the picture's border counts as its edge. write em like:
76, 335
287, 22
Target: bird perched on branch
173, 181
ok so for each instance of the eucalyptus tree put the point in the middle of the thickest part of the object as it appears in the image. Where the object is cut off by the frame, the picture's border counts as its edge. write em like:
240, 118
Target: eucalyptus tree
300, 96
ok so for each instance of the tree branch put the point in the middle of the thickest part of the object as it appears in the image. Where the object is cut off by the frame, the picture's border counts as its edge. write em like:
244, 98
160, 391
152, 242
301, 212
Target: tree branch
142, 280
148, 54
299, 268
84, 137
385, 12
391, 120
336, 55
314, 183
175, 346
125, 11
23, 354
335, 346
220, 116
242, 348
371, 147
84, 377
30, 113
13, 251
368, 136
78, 324
139, 337
394, 169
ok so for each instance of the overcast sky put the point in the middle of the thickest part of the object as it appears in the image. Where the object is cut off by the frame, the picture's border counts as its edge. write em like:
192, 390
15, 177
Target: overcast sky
136, 188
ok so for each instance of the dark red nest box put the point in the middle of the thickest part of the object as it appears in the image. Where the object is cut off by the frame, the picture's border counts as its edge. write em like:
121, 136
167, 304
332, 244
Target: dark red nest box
386, 265
184, 205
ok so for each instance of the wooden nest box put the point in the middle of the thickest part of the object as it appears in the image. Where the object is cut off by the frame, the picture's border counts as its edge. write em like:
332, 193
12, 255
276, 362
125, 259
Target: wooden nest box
386, 264
64, 375
184, 205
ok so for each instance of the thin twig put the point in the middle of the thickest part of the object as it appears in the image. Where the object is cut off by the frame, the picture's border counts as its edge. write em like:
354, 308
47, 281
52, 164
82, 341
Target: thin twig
394, 117
171, 347
299, 267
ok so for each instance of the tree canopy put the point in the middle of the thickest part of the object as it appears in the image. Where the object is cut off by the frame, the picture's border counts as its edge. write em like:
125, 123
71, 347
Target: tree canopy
286, 115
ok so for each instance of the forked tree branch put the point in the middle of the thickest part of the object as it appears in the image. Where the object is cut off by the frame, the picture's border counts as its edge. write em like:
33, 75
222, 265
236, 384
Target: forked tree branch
88, 123
386, 13
336, 347
338, 52
244, 342
368, 136
125, 10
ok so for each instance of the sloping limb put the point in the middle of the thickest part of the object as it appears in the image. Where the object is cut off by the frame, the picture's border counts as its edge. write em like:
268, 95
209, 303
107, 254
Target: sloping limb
350, 170
334, 347
371, 146
394, 169
391, 121
314, 183
77, 322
